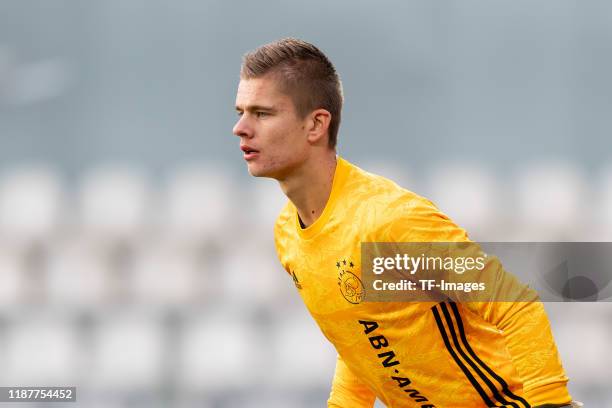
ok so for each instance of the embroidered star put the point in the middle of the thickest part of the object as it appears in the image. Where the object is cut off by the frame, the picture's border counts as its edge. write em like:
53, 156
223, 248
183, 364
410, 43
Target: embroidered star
337, 264
344, 261
351, 264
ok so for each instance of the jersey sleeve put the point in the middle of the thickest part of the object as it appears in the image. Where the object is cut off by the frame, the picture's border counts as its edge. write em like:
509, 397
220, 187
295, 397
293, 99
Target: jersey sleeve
524, 324
348, 391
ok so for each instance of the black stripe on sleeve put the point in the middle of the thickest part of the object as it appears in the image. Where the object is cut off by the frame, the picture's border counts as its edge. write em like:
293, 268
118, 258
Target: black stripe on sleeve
505, 389
462, 366
451, 329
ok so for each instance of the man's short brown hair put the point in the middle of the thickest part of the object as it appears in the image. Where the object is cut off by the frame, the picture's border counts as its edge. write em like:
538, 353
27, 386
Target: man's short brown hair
304, 73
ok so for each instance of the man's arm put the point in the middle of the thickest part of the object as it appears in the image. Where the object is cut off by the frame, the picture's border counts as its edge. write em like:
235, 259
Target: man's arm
348, 391
524, 325
532, 348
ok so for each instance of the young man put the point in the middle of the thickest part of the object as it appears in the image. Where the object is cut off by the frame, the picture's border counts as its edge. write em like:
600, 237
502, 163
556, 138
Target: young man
419, 354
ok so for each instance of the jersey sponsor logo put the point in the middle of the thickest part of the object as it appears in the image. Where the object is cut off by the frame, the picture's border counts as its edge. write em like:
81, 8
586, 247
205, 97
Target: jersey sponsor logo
295, 280
350, 285
387, 358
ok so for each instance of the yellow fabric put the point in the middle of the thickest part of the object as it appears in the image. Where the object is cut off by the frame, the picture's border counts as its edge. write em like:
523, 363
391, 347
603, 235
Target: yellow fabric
348, 391
396, 351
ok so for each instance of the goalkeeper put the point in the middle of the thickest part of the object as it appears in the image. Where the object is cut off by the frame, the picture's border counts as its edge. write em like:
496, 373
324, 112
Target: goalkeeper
420, 354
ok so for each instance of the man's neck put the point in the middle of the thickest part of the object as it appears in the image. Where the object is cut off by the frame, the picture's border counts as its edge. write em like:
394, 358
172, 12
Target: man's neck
309, 187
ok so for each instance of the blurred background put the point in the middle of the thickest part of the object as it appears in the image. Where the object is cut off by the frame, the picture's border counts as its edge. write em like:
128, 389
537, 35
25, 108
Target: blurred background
136, 255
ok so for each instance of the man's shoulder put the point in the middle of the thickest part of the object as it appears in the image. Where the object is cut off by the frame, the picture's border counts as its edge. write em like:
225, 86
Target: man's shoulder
378, 193
390, 210
284, 217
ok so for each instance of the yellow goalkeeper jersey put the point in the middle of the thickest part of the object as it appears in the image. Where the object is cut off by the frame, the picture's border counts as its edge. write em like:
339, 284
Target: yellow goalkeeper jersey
417, 354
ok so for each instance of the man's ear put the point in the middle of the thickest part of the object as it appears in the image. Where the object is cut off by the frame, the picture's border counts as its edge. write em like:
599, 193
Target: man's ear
319, 126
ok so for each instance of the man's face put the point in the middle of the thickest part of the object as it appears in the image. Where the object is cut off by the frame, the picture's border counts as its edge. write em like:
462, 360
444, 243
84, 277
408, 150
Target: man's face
273, 138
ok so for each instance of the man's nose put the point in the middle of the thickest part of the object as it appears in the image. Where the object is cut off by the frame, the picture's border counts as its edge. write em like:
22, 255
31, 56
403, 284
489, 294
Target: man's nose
241, 127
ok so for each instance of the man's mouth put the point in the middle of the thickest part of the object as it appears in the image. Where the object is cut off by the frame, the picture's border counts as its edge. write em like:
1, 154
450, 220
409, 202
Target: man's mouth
249, 152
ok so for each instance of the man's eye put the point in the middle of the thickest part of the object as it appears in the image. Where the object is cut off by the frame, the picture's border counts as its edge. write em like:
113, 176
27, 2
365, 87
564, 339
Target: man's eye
239, 113
261, 114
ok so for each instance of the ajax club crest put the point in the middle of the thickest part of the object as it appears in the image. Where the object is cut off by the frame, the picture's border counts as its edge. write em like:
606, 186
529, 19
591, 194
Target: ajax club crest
350, 285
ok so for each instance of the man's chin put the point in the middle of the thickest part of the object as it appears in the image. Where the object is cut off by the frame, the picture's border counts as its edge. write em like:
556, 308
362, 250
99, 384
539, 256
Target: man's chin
257, 172
263, 173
